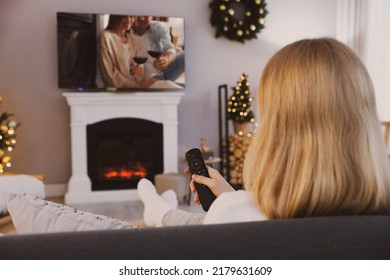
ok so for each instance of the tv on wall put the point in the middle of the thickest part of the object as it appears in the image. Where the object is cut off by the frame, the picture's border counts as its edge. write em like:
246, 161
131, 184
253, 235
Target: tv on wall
98, 52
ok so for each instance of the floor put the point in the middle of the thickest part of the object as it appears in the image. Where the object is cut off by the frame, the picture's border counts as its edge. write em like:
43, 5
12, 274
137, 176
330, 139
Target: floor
6, 226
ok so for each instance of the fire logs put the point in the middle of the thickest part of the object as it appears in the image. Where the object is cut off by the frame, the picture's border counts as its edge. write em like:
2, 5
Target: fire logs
238, 147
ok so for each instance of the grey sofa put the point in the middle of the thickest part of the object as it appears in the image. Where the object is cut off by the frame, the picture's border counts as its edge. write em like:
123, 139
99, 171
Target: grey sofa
344, 237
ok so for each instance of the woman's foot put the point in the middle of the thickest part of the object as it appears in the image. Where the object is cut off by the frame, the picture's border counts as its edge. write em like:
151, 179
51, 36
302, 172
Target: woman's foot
170, 197
156, 206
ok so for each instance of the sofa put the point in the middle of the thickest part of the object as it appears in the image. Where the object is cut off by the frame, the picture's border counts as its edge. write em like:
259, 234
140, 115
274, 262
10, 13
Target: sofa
341, 237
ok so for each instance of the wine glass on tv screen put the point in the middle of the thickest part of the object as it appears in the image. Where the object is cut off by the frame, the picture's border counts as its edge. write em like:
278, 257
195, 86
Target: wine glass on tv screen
98, 52
140, 57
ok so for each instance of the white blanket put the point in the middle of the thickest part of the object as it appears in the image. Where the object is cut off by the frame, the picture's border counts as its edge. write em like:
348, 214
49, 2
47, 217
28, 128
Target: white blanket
19, 184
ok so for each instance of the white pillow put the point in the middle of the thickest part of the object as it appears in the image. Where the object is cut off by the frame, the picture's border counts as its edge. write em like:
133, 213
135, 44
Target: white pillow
19, 184
34, 215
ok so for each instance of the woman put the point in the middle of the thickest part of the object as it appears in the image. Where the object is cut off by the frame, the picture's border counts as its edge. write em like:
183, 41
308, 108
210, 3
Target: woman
318, 151
116, 51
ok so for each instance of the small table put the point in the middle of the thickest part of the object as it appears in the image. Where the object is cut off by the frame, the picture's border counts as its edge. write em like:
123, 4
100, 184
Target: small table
212, 160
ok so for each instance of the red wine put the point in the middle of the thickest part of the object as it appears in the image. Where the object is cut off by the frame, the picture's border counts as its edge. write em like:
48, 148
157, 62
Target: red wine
155, 54
140, 59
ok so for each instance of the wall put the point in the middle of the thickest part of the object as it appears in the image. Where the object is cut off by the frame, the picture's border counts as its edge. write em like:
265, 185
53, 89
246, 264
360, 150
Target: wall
377, 54
28, 68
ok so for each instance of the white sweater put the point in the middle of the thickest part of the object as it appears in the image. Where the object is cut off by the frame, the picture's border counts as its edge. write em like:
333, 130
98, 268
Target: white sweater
233, 207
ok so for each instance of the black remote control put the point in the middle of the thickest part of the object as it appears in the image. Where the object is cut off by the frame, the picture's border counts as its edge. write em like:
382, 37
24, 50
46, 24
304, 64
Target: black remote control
197, 166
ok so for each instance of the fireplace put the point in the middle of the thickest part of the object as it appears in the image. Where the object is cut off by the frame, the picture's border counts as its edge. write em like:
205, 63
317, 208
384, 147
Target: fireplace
119, 138
122, 151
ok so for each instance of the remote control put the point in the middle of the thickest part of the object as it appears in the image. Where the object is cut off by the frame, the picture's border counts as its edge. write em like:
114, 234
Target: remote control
197, 166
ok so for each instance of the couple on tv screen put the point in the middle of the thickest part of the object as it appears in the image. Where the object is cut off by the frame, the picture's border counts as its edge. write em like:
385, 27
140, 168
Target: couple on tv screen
126, 52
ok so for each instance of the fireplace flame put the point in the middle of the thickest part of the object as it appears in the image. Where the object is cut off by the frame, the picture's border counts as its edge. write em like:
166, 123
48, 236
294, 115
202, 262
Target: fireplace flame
136, 172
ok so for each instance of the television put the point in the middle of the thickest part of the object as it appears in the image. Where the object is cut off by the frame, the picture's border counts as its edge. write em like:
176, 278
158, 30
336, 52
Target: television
93, 57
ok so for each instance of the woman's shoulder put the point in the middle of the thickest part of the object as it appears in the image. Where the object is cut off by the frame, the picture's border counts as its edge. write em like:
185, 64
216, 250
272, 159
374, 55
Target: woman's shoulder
106, 35
229, 207
239, 196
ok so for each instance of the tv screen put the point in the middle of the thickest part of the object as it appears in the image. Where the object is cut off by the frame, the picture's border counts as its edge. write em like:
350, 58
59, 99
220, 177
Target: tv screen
98, 52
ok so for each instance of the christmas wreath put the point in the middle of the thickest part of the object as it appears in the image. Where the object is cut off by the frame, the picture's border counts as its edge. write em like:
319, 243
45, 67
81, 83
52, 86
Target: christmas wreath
238, 20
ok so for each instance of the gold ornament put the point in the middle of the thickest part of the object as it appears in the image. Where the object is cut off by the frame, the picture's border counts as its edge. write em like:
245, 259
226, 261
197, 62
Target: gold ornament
261, 21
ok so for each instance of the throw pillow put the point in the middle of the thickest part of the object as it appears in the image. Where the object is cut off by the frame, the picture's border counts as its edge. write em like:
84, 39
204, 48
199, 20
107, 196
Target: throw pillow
34, 215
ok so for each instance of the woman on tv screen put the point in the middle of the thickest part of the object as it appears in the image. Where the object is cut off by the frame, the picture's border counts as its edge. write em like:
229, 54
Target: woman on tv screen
116, 51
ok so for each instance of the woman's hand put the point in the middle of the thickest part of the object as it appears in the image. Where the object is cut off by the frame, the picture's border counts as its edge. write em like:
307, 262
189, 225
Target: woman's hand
216, 183
147, 82
137, 70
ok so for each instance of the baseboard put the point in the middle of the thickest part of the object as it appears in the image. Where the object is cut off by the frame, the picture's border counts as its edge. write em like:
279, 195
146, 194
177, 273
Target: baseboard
56, 190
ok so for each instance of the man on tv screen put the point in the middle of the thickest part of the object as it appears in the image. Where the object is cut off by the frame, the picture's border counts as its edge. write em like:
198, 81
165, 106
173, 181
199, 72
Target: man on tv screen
164, 63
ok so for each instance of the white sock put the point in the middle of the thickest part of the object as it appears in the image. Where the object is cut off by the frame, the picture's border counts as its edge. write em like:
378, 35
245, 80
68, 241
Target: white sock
170, 197
156, 206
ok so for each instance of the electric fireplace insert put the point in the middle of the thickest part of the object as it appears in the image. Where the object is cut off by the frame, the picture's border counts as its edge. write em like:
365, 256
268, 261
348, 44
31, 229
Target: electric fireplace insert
122, 151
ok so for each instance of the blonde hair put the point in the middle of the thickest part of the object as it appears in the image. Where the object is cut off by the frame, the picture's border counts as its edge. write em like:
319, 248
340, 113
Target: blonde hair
319, 149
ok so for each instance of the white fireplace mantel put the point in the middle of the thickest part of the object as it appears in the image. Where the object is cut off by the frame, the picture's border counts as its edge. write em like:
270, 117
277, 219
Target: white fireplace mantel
89, 108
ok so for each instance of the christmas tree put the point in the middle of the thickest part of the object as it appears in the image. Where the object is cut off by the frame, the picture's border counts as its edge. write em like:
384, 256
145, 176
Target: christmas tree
7, 138
239, 112
240, 102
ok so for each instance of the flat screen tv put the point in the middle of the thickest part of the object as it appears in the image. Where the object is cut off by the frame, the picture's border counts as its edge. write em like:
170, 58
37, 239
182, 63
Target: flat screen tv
99, 52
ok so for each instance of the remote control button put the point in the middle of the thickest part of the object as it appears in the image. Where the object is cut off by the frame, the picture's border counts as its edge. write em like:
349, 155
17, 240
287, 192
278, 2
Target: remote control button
196, 164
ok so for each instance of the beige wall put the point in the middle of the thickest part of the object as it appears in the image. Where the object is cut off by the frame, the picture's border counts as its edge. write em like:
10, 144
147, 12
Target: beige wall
28, 68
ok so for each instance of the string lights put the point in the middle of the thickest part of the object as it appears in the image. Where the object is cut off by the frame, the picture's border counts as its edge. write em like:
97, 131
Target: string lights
240, 102
7, 138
